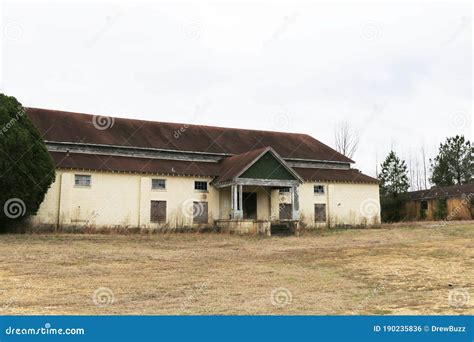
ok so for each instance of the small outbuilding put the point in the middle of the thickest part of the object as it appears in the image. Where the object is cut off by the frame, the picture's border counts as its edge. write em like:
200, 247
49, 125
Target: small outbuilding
450, 202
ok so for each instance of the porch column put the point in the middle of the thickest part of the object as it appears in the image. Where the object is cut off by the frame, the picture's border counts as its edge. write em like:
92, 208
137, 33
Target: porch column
236, 200
295, 203
233, 201
241, 202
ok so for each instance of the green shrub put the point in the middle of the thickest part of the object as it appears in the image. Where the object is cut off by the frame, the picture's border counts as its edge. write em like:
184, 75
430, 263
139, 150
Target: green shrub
422, 214
393, 207
441, 210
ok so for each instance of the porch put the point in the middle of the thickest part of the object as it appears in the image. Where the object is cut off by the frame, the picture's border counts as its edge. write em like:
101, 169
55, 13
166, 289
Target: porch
258, 194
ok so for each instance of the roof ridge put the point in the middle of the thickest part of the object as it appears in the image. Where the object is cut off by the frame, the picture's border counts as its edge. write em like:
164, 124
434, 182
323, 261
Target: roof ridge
170, 122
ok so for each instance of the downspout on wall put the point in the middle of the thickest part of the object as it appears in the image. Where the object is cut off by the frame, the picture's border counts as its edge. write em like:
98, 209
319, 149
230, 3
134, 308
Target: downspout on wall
328, 206
59, 203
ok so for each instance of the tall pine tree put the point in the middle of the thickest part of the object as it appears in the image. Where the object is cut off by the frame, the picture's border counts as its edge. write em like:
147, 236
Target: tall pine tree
393, 175
454, 162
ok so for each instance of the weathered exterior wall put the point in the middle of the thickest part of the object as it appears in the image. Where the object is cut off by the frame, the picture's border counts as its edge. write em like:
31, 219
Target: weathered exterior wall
121, 200
346, 204
458, 208
118, 200
243, 227
224, 203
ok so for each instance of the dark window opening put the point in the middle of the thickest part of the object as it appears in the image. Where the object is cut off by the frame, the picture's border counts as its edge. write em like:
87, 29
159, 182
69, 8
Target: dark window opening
319, 189
424, 205
158, 184
201, 186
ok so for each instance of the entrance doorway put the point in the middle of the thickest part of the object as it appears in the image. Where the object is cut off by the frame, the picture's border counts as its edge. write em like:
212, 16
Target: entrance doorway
250, 205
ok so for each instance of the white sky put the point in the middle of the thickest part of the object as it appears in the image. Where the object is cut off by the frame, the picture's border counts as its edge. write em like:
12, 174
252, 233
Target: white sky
400, 73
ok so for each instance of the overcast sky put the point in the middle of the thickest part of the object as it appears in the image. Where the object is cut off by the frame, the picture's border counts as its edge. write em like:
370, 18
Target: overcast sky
401, 73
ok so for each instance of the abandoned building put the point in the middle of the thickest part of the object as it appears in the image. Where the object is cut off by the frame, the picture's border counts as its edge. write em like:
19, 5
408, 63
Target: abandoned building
124, 173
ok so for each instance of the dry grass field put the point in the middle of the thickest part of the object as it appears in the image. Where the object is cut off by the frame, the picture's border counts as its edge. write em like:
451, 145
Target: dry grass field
392, 270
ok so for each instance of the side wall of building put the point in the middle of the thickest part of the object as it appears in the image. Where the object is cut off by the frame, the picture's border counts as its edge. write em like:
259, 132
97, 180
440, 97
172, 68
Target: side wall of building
345, 204
117, 200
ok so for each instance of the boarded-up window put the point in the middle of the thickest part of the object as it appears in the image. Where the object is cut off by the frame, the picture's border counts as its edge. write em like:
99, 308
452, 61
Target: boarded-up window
320, 213
158, 211
200, 212
285, 211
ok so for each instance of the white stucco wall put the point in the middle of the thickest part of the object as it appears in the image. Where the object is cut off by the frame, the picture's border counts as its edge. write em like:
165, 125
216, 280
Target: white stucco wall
123, 200
346, 204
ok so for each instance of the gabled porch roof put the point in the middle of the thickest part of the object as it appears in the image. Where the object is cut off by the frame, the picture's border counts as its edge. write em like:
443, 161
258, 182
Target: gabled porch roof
262, 166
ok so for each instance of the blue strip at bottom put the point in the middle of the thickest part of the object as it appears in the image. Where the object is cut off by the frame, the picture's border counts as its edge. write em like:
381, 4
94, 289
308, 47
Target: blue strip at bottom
237, 328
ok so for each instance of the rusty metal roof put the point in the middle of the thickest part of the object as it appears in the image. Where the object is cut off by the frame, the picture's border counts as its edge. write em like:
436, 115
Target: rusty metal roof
95, 162
60, 126
238, 147
334, 175
441, 192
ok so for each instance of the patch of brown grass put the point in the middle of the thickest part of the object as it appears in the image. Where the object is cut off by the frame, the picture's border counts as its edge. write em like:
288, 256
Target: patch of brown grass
392, 270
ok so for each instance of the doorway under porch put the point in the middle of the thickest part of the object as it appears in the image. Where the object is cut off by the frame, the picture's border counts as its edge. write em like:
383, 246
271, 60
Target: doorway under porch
252, 209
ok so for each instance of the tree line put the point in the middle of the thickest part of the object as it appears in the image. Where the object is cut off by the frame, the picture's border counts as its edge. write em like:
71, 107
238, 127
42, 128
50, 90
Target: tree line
451, 166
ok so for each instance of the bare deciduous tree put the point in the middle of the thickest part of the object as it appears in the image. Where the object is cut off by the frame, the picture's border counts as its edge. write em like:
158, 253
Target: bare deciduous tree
423, 156
417, 170
346, 139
